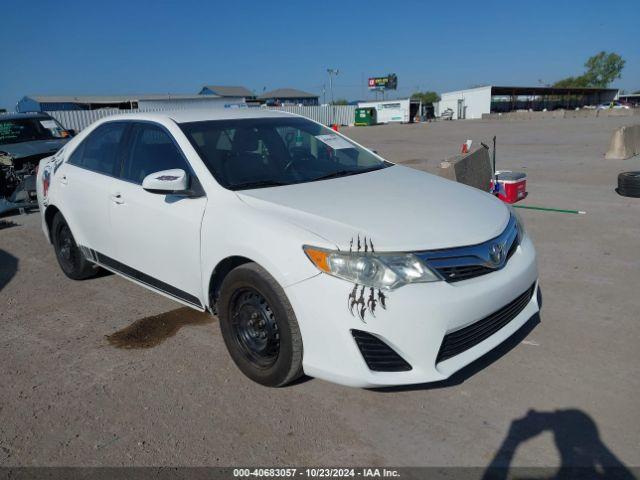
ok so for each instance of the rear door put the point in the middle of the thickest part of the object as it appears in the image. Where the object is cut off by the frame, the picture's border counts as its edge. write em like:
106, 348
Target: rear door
85, 184
157, 235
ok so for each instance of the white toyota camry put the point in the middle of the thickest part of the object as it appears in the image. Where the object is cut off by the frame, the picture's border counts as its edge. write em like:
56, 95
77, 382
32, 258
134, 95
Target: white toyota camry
317, 255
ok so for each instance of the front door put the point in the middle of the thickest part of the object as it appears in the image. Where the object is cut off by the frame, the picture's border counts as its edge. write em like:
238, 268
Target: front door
158, 235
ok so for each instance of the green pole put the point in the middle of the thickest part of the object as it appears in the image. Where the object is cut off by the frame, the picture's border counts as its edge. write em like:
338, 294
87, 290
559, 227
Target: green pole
545, 209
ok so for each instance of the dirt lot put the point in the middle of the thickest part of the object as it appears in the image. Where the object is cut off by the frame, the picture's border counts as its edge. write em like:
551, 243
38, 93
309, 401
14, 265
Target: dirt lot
164, 391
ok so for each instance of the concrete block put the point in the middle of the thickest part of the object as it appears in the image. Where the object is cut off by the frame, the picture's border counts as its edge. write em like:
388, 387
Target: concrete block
615, 112
625, 143
473, 169
582, 113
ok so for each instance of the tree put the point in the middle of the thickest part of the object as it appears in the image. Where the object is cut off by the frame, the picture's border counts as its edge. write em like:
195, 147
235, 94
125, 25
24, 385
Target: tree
580, 81
602, 69
426, 97
341, 101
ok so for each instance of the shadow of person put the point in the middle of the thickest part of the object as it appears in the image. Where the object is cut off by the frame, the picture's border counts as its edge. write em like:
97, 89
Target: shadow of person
582, 453
8, 268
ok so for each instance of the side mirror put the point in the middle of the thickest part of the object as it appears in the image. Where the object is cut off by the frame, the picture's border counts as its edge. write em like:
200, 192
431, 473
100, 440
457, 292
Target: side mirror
166, 182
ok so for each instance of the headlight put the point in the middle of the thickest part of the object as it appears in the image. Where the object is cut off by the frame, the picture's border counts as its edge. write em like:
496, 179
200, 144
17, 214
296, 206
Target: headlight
379, 270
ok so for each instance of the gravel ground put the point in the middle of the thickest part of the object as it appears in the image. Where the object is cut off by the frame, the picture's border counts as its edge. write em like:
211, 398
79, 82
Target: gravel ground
86, 378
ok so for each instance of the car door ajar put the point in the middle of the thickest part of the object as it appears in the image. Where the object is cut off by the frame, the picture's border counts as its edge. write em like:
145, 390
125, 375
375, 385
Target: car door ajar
85, 186
157, 235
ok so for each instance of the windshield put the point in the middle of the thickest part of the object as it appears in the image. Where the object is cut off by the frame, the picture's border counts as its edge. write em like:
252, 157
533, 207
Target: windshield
266, 152
29, 129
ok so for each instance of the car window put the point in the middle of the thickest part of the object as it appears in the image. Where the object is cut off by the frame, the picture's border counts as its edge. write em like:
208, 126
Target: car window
264, 152
30, 129
99, 151
151, 149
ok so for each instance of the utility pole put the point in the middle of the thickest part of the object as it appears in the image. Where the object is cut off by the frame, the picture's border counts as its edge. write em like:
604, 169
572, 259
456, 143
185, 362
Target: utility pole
332, 72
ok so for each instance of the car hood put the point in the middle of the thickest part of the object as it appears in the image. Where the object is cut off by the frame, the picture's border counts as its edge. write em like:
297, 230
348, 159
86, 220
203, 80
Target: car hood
397, 208
41, 148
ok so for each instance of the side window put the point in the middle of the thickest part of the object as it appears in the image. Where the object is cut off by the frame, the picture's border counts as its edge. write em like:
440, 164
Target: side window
99, 151
76, 155
151, 149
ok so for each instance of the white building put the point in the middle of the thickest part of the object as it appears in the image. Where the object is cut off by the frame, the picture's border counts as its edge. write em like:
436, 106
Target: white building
470, 103
474, 102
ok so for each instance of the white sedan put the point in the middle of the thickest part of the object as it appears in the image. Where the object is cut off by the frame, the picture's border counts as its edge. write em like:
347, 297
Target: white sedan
317, 255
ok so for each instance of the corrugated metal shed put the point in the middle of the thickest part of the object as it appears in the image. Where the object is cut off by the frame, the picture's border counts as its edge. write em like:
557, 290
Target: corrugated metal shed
286, 93
340, 114
40, 103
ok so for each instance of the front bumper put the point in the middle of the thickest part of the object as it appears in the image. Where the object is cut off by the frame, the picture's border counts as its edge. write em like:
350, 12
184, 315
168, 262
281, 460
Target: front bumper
414, 323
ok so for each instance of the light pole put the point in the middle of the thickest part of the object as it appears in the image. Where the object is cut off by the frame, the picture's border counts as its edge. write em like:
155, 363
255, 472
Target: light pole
332, 72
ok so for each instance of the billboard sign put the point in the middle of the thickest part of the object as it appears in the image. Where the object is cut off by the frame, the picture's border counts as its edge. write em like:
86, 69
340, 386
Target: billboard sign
390, 82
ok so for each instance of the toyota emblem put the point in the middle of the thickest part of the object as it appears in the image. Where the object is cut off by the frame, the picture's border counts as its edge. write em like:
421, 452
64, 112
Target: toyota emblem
496, 253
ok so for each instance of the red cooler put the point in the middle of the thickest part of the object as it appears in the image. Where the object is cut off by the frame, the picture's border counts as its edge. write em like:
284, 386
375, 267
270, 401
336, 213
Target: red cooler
511, 186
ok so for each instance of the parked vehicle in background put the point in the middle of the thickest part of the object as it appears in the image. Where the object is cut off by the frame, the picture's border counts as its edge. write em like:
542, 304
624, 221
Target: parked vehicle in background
447, 114
318, 255
613, 105
25, 138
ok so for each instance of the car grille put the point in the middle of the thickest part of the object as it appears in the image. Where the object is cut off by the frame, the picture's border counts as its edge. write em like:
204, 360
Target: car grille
458, 341
457, 274
463, 263
379, 356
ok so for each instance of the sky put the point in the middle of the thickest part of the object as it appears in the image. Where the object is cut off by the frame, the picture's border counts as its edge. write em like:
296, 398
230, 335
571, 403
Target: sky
119, 47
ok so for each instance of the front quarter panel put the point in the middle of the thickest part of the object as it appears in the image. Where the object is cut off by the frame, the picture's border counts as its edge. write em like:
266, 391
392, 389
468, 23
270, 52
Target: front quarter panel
233, 228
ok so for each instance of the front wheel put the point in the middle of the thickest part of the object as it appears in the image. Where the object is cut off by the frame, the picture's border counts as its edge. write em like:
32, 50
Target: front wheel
259, 326
71, 260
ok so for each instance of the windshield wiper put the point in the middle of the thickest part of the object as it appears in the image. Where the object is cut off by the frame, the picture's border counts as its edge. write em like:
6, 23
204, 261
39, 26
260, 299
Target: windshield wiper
346, 173
257, 184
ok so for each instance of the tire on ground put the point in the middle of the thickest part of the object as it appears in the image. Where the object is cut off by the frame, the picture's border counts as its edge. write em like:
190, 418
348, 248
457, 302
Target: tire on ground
288, 365
629, 184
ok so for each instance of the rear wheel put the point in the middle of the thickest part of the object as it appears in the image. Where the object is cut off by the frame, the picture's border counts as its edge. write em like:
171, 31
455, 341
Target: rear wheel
259, 326
71, 260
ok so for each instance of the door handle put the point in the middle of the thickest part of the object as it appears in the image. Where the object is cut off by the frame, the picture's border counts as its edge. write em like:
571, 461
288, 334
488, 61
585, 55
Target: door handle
117, 198
63, 180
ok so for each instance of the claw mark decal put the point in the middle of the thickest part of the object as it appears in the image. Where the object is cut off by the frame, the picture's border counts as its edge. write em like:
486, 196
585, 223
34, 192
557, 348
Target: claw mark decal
382, 299
361, 303
372, 302
352, 298
356, 301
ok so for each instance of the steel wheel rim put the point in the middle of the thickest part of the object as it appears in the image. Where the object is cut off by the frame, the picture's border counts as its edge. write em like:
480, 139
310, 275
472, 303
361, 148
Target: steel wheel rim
255, 330
66, 248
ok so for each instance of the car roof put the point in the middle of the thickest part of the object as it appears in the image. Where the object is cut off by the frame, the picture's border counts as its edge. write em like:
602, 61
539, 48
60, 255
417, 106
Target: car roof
200, 115
18, 116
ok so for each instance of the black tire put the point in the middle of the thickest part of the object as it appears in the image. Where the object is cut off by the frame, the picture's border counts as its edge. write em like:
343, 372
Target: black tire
259, 326
70, 258
629, 184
